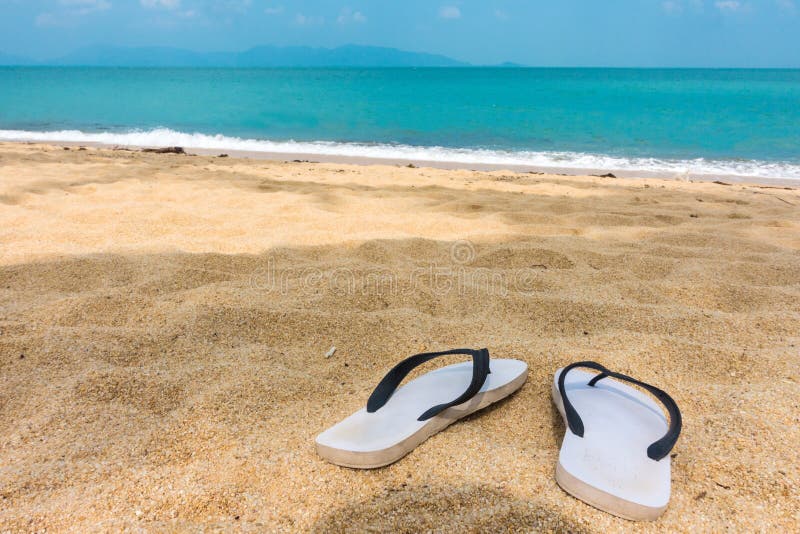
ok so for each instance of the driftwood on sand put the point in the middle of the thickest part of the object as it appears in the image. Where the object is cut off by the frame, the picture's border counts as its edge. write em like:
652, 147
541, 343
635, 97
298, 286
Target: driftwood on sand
166, 150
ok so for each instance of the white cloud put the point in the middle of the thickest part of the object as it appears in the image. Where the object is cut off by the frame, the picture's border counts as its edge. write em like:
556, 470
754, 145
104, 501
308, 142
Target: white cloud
787, 5
86, 3
698, 6
500, 14
71, 13
348, 16
672, 8
51, 20
274, 10
239, 6
306, 20
166, 4
728, 6
450, 12
84, 7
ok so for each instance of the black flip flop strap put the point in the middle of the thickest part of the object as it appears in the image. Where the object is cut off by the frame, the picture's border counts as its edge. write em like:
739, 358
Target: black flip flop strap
389, 383
658, 449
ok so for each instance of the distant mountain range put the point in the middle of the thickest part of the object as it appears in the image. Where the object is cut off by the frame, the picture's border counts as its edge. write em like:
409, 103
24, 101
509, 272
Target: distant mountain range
261, 56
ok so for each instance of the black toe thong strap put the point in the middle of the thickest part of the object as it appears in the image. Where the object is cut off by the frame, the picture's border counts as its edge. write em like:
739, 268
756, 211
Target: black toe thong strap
658, 449
389, 383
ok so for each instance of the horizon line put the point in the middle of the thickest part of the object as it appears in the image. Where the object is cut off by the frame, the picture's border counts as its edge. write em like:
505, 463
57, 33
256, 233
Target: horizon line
499, 66
27, 61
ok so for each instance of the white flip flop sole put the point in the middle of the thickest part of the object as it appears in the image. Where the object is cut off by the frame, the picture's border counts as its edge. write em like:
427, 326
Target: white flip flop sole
608, 467
369, 440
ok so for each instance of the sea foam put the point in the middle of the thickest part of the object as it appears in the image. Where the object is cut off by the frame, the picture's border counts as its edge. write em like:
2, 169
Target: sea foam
161, 137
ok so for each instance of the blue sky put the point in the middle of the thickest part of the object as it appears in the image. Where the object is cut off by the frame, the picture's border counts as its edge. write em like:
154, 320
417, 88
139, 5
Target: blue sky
757, 33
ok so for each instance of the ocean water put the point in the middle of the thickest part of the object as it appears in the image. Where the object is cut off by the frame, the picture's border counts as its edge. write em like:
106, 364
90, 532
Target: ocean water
697, 121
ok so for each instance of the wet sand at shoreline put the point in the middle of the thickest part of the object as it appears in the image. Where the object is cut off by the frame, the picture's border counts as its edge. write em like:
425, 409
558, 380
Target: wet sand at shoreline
164, 321
685, 175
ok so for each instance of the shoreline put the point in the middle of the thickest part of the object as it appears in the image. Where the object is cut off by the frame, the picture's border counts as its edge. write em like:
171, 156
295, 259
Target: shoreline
435, 164
488, 167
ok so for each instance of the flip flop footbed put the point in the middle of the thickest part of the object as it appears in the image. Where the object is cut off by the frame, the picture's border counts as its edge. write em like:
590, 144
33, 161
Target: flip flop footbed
368, 440
608, 467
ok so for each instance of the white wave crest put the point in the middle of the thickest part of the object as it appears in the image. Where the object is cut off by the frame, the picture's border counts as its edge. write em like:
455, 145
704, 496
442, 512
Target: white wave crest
560, 160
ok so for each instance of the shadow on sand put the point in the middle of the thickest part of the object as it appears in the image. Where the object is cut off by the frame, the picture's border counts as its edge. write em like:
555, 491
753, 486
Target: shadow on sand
426, 508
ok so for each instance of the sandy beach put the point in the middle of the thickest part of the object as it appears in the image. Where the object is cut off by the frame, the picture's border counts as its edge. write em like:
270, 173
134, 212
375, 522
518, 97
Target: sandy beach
165, 319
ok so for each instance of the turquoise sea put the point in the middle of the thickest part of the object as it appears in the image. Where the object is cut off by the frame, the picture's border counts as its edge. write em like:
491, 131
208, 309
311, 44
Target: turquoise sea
732, 122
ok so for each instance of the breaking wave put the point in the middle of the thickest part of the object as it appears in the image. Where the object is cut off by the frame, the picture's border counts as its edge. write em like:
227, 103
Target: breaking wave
559, 160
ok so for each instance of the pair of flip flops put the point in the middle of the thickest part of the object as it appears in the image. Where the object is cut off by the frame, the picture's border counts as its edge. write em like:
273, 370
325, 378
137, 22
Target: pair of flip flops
615, 453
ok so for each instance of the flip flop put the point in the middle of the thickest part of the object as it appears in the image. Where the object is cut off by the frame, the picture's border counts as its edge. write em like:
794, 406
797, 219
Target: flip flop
615, 453
386, 430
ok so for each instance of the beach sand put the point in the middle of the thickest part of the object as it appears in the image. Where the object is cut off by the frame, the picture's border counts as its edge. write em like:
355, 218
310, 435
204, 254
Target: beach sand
164, 321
